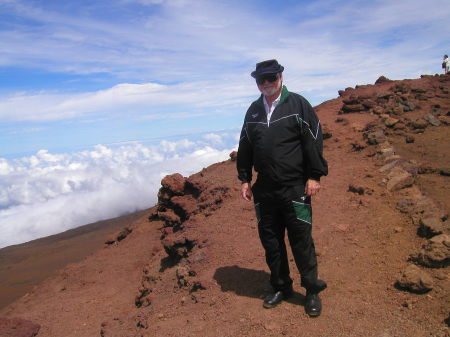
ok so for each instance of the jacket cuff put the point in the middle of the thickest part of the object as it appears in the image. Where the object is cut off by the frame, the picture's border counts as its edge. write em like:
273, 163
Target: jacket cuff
315, 177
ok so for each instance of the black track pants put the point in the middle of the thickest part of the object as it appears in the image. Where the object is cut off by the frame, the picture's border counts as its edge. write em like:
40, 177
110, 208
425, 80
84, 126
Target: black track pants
280, 210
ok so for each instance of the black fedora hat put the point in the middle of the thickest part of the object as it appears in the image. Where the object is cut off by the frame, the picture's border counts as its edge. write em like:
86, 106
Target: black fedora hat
267, 67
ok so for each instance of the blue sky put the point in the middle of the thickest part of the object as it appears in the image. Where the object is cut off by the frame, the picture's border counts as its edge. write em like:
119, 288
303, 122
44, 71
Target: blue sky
78, 73
84, 85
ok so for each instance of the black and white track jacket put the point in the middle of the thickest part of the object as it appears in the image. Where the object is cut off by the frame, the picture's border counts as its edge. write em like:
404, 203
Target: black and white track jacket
286, 151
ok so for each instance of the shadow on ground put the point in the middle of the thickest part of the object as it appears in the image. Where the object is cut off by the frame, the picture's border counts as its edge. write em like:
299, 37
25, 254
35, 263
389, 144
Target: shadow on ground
250, 283
243, 281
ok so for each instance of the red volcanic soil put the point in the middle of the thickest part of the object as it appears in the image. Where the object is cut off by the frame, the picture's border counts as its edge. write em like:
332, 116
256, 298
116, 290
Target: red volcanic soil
193, 265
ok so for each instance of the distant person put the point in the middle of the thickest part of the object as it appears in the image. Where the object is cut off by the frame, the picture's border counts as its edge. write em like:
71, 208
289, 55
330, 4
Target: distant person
445, 64
282, 140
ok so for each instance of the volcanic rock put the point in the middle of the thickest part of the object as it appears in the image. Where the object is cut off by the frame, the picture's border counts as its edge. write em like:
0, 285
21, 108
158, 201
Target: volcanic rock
415, 280
444, 119
419, 124
382, 79
432, 119
410, 139
119, 236
18, 327
356, 189
431, 226
351, 108
376, 137
178, 246
174, 183
390, 122
399, 179
436, 252
170, 218
445, 171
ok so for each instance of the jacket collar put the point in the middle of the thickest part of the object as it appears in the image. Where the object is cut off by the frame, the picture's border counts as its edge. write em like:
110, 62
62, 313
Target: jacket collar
284, 94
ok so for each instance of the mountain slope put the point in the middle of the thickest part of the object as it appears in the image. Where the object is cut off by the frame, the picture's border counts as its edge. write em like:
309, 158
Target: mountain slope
196, 268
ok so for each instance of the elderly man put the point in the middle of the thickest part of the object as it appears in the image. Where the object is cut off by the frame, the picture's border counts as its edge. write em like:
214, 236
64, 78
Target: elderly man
282, 140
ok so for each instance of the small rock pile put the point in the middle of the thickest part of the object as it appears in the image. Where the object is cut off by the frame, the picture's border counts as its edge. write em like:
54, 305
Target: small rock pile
392, 104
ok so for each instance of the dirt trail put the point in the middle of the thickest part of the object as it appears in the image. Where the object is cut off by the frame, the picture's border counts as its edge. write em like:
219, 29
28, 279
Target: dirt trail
132, 288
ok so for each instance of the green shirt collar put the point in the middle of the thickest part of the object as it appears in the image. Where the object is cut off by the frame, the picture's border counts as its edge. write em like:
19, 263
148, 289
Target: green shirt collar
284, 94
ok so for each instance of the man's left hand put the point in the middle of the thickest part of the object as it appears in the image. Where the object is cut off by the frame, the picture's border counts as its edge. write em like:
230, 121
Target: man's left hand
312, 187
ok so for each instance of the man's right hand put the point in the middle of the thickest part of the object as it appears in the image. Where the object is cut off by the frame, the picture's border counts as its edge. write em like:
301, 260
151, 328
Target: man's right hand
246, 191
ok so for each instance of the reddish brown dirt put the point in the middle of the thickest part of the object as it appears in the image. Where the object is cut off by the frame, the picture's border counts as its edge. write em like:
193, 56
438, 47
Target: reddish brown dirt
25, 265
363, 245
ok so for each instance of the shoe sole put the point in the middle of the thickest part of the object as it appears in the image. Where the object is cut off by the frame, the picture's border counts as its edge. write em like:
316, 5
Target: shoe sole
270, 306
313, 314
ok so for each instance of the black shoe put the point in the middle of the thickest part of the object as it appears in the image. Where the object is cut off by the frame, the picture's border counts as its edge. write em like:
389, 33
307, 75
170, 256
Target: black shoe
272, 300
313, 305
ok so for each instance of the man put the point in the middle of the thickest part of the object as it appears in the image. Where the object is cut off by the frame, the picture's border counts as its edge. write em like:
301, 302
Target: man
282, 140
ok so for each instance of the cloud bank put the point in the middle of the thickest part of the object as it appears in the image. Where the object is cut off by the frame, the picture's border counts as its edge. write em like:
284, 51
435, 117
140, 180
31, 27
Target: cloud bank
48, 193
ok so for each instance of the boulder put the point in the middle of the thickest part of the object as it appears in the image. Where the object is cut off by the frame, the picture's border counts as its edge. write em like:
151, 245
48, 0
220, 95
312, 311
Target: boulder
183, 276
415, 280
430, 118
445, 171
390, 121
444, 119
384, 95
174, 183
398, 110
398, 179
143, 297
178, 246
233, 156
410, 139
356, 189
368, 103
376, 137
119, 236
350, 108
426, 208
436, 252
170, 218
377, 110
431, 226
406, 205
399, 126
387, 152
18, 327
351, 100
184, 206
391, 165
419, 124
382, 79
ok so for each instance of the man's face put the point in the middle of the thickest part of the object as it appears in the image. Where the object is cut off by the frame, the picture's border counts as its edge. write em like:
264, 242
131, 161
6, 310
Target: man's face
269, 84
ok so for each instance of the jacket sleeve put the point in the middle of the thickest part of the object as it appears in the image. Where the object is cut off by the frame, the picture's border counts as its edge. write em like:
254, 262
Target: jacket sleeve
312, 143
244, 157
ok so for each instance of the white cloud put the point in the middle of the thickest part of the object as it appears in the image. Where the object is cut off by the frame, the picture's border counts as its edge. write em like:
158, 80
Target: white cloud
136, 99
213, 138
48, 193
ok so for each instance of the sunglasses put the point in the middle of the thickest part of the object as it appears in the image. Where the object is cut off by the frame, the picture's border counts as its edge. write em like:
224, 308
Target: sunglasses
267, 77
